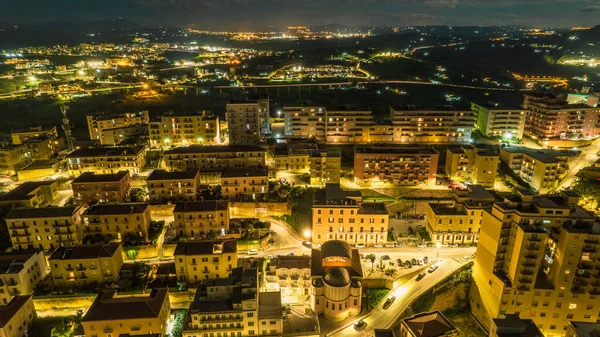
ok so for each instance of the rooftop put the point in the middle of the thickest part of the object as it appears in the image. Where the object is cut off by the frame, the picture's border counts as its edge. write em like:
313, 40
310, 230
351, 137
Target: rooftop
269, 305
106, 152
91, 177
206, 247
215, 149
241, 172
317, 256
43, 212
585, 329
547, 156
113, 209
107, 306
84, 252
8, 311
408, 149
513, 326
325, 153
332, 194
291, 262
373, 208
202, 206
13, 262
173, 175
25, 190
428, 324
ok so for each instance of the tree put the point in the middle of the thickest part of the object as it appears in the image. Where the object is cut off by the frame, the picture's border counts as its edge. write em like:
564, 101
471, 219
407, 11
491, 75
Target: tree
137, 194
372, 258
63, 329
390, 235
139, 272
211, 235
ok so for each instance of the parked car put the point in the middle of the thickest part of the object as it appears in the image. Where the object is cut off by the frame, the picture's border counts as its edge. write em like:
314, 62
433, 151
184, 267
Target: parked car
385, 257
420, 262
269, 257
360, 245
422, 245
454, 246
408, 264
390, 245
378, 245
290, 254
307, 244
413, 261
445, 245
420, 276
425, 259
399, 244
359, 325
399, 262
253, 252
389, 300
433, 268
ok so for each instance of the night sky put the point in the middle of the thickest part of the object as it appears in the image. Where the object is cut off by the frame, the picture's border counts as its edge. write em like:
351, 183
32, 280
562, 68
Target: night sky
255, 14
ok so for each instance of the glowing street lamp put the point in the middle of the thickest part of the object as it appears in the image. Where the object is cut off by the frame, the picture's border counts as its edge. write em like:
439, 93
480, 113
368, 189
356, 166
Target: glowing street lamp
307, 233
278, 113
200, 140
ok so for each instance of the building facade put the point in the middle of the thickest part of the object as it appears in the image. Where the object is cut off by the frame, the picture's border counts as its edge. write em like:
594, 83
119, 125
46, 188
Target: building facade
325, 167
427, 324
185, 129
336, 281
200, 260
206, 158
341, 215
537, 257
164, 186
16, 316
30, 194
98, 124
103, 188
84, 266
244, 183
541, 169
500, 121
14, 157
107, 160
117, 221
432, 126
44, 228
21, 136
291, 276
194, 219
477, 164
397, 164
243, 122
20, 273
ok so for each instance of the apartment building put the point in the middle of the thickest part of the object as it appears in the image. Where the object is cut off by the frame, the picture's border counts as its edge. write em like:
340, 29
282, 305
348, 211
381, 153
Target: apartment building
582, 329
16, 316
427, 324
20, 272
233, 306
90, 187
87, 265
177, 186
114, 315
30, 194
336, 275
14, 157
99, 126
293, 157
513, 326
43, 147
291, 276
216, 158
21, 136
341, 215
44, 228
243, 122
409, 164
552, 117
194, 219
130, 133
200, 260
325, 167
347, 125
185, 129
541, 169
242, 183
495, 120
107, 160
537, 257
117, 221
305, 122
458, 222
432, 126
476, 164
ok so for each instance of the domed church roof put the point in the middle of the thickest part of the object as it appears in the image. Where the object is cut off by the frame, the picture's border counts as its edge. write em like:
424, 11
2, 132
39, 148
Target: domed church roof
336, 248
337, 277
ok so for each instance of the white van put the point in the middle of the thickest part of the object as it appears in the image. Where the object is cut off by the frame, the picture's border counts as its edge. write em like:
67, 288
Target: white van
253, 252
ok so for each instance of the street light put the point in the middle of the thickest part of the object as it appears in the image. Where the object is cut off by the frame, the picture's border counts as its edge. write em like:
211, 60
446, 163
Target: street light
438, 246
307, 234
278, 113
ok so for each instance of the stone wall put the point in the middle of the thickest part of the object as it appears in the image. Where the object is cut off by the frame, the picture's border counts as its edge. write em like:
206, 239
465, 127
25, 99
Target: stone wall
258, 209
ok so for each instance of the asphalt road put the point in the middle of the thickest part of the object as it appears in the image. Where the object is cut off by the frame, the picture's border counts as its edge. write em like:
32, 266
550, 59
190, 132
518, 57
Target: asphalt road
589, 155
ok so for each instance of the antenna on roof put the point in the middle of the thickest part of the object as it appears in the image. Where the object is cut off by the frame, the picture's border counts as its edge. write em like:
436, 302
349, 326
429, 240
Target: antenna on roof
67, 127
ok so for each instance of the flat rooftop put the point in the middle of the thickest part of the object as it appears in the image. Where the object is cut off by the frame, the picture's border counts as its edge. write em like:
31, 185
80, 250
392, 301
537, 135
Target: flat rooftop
215, 149
547, 156
106, 152
409, 149
90, 177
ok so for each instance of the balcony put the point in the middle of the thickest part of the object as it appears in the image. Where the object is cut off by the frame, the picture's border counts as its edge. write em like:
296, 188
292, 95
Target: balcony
80, 268
20, 234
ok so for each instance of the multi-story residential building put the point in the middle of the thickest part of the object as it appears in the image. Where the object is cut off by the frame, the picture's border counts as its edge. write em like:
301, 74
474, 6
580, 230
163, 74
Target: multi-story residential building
44, 228
164, 186
293, 157
264, 118
325, 167
117, 221
495, 120
103, 188
336, 275
21, 136
458, 222
30, 194
477, 164
185, 129
117, 315
16, 316
552, 117
20, 272
200, 260
537, 257
348, 125
233, 307
582, 329
244, 182
14, 157
107, 160
432, 126
427, 324
341, 215
43, 147
206, 158
305, 122
98, 124
409, 164
291, 276
117, 136
194, 219
513, 326
82, 266
243, 122
541, 169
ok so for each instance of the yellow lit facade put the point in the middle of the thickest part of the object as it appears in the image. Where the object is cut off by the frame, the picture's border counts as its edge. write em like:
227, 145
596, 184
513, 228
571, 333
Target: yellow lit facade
117, 221
30, 194
199, 260
107, 160
542, 169
432, 126
14, 157
243, 122
20, 273
166, 186
499, 121
21, 136
244, 182
477, 164
214, 158
325, 167
194, 219
99, 125
177, 130
19, 314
